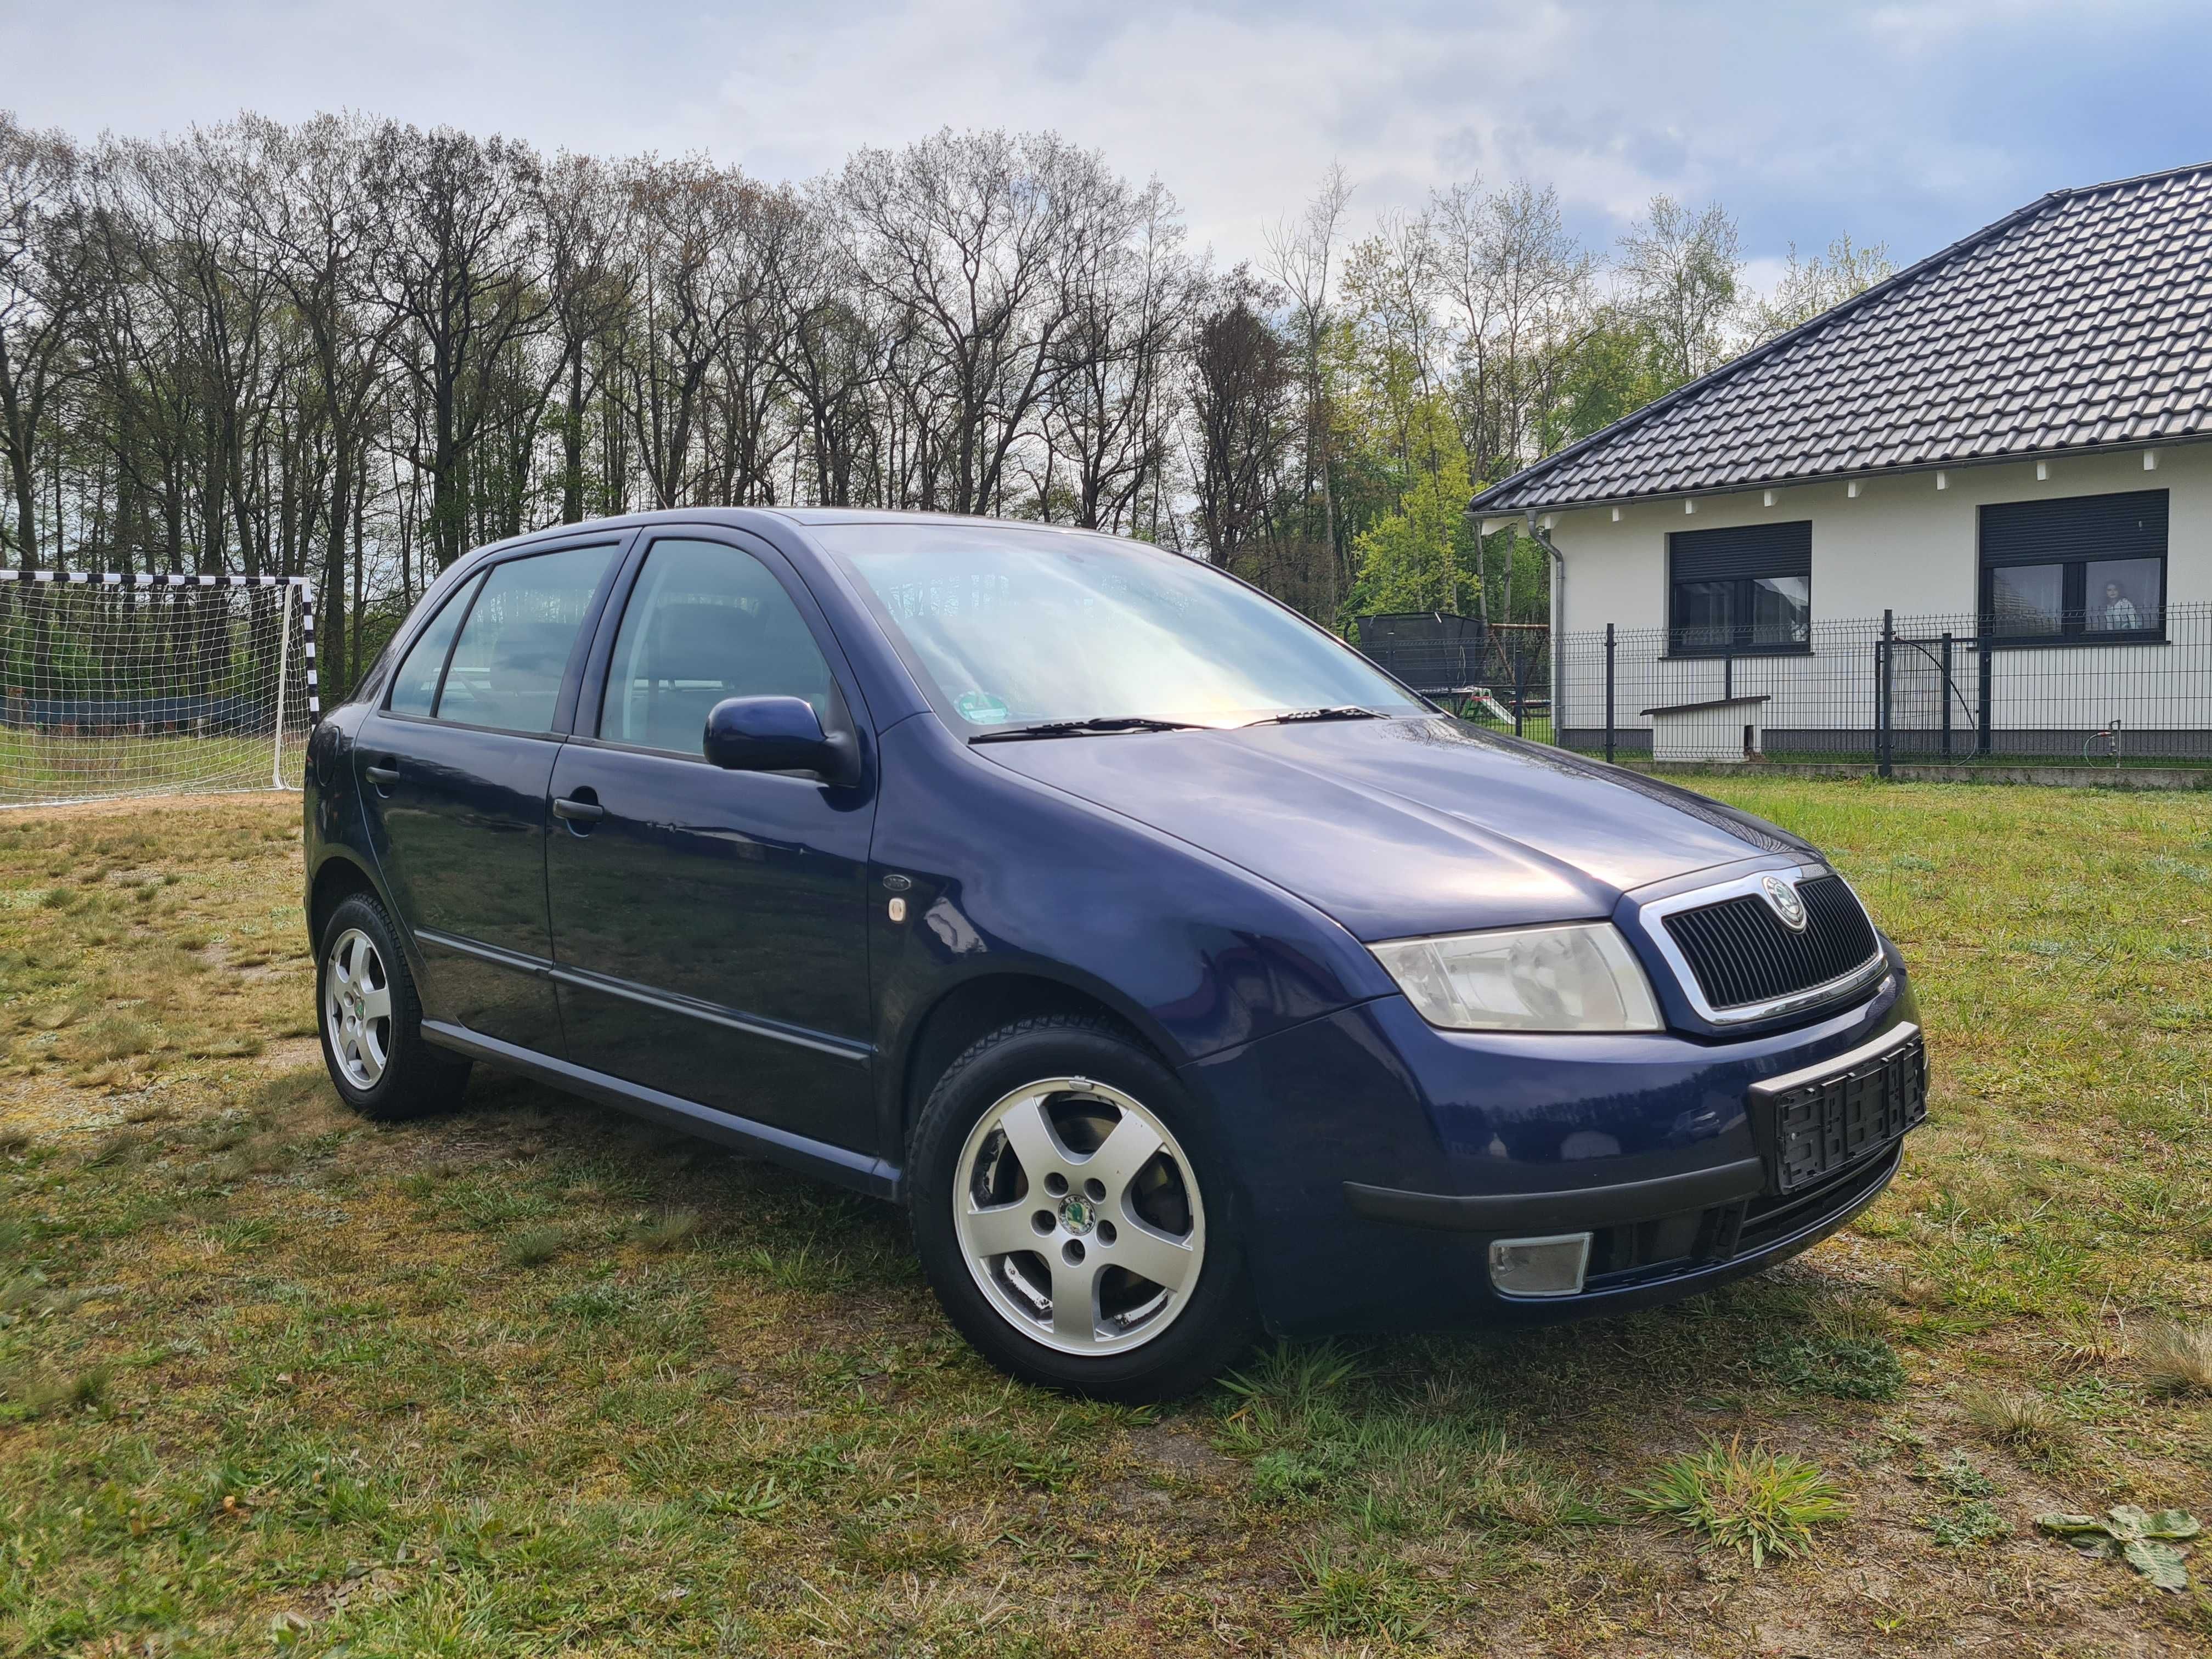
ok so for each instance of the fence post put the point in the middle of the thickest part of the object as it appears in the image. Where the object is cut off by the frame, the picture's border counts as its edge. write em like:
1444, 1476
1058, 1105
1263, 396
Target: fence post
1609, 695
283, 662
1982, 715
1520, 684
1947, 697
1886, 653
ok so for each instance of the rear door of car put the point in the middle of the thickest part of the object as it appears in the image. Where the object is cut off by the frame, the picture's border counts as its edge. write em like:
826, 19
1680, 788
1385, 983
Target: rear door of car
709, 927
454, 764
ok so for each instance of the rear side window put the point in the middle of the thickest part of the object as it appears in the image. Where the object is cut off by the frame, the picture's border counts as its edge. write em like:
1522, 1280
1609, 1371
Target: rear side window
705, 622
415, 687
513, 649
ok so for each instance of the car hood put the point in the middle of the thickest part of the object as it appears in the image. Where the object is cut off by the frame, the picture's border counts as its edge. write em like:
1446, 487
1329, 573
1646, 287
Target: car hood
1409, 826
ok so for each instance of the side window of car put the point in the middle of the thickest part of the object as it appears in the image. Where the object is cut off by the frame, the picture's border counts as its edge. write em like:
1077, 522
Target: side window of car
415, 687
513, 649
705, 622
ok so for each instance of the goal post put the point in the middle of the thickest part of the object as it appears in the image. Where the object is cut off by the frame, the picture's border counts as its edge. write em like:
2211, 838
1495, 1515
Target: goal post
112, 685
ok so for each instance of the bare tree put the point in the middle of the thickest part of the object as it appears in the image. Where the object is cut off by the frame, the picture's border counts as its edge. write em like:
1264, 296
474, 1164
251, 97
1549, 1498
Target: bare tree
1134, 294
351, 348
1241, 380
1392, 284
1522, 294
44, 291
976, 238
315, 225
1809, 287
754, 431
458, 264
1682, 269
830, 346
1302, 259
695, 280
590, 279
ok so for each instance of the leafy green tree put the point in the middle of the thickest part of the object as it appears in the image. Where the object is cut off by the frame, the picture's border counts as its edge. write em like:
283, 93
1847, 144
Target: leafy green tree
1621, 365
1417, 557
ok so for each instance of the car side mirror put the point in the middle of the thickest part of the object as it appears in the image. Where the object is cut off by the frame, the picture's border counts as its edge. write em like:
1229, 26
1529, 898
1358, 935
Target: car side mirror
776, 734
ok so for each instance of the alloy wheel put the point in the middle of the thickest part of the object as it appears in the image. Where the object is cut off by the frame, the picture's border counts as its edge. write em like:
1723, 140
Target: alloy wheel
1079, 1215
357, 1008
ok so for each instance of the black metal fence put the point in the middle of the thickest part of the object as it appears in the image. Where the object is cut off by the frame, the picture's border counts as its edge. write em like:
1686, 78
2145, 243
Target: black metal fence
1897, 689
1499, 673
1881, 691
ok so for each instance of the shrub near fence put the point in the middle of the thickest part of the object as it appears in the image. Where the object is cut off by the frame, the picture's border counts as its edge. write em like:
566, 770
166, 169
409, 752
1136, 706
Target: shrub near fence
1922, 688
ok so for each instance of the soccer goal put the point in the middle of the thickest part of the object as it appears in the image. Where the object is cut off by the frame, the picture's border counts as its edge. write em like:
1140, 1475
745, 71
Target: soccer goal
146, 685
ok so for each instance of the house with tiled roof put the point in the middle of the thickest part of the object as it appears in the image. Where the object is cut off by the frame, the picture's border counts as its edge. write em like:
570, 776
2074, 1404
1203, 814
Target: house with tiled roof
2002, 448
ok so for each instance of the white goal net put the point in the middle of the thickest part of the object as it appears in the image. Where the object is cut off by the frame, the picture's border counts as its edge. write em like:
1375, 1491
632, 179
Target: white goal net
152, 685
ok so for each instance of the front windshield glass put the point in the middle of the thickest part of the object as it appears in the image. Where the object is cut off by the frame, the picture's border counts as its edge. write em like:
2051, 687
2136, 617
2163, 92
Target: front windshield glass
1014, 627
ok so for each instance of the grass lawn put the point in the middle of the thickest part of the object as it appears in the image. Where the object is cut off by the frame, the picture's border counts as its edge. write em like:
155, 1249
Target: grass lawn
533, 1379
38, 766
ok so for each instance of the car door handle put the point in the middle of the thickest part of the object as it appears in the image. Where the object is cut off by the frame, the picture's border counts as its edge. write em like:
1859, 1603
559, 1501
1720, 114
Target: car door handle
577, 811
380, 774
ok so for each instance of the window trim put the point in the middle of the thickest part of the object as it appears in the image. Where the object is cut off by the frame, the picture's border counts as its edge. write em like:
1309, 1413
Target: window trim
474, 578
464, 594
1741, 645
591, 689
445, 669
2073, 630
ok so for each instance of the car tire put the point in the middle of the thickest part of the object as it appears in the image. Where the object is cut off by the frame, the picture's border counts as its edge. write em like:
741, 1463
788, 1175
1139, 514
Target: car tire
371, 1021
1016, 1146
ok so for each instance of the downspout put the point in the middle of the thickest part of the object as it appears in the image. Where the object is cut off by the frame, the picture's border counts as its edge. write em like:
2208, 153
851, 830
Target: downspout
1542, 538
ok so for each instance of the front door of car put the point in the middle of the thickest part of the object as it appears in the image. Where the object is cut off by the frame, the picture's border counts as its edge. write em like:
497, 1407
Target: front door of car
709, 927
454, 764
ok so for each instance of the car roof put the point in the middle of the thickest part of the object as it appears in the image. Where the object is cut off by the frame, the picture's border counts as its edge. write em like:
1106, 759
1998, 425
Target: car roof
812, 516
745, 517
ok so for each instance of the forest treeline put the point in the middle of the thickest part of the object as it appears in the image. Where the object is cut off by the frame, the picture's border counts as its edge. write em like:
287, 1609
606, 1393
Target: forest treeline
350, 348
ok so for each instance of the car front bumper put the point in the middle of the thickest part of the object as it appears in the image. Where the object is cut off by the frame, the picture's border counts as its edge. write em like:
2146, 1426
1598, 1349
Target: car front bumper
1379, 1157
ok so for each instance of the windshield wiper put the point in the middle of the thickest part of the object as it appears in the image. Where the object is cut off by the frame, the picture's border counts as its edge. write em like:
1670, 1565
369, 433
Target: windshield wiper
1341, 712
1083, 728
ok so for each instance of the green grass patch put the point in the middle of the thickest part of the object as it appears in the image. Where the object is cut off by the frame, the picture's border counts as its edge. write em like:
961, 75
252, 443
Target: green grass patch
1759, 1502
536, 1379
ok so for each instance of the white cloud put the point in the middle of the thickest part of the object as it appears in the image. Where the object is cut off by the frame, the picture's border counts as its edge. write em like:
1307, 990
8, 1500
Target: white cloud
1908, 125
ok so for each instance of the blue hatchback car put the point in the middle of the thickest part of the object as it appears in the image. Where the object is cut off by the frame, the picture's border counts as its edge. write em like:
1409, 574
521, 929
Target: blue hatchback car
1181, 973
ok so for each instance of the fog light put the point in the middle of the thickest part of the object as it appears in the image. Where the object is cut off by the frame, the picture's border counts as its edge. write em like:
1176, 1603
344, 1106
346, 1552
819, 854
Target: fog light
1540, 1266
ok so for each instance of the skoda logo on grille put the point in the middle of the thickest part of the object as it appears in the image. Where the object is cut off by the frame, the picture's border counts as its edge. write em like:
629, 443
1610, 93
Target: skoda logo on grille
1787, 905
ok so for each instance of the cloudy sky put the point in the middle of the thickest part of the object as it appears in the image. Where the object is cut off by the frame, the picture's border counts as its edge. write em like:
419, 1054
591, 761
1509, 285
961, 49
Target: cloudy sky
1908, 124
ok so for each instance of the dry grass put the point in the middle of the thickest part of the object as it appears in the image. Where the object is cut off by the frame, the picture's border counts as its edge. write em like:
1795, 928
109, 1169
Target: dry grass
2175, 1358
535, 1379
2025, 1423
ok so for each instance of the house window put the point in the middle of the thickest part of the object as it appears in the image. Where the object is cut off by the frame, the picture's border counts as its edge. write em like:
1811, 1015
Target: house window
1744, 590
2088, 567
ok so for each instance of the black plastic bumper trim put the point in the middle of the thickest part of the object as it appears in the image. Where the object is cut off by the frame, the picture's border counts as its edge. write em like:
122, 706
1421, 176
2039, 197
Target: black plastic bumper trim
1565, 1212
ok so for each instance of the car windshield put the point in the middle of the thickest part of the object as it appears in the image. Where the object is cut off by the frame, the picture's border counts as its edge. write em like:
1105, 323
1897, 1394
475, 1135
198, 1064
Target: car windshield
1012, 627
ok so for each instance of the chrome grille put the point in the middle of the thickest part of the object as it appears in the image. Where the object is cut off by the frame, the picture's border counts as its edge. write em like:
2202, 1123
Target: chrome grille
1742, 953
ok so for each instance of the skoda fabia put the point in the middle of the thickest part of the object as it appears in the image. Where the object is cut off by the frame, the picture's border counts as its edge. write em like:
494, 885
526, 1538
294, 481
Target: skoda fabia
1179, 972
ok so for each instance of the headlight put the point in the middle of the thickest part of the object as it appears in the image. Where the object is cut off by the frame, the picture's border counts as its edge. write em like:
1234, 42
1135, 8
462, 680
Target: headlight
1580, 976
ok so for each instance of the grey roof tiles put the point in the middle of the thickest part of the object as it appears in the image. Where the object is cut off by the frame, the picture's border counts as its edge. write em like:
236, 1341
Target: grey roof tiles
2079, 321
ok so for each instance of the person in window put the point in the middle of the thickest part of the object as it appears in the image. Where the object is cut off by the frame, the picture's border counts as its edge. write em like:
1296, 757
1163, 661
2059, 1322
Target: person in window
2121, 616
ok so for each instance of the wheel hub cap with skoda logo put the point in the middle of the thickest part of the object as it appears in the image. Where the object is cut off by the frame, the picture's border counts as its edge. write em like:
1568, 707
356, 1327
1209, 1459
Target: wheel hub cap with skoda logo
1079, 1216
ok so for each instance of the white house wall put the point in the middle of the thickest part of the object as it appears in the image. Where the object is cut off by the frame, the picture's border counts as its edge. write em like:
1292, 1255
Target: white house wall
1900, 544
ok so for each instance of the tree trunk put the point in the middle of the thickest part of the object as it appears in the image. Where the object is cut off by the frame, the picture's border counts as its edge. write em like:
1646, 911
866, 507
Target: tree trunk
332, 644
572, 442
